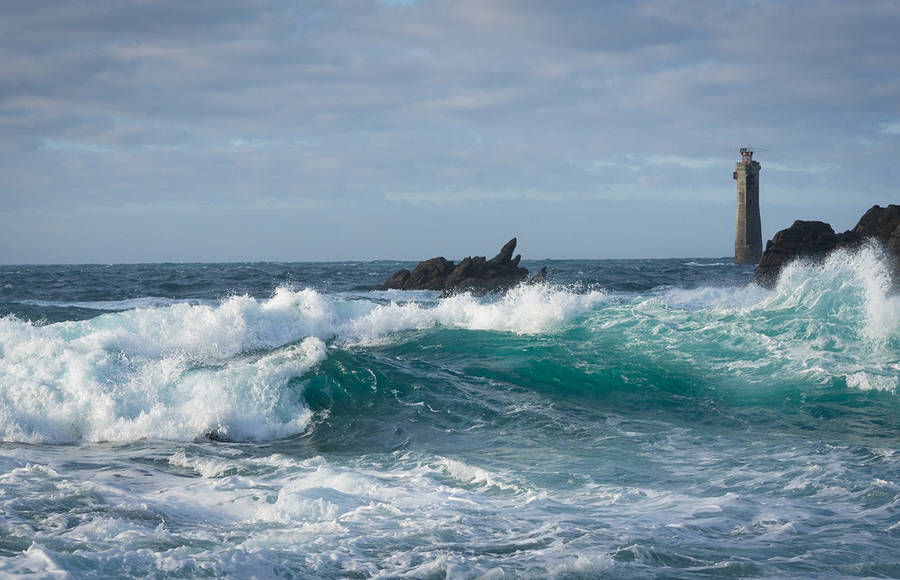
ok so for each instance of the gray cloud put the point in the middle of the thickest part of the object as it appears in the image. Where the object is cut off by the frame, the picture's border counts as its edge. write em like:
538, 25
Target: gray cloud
354, 106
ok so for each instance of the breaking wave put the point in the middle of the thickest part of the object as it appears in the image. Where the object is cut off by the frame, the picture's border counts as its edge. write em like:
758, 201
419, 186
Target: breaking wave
187, 370
235, 369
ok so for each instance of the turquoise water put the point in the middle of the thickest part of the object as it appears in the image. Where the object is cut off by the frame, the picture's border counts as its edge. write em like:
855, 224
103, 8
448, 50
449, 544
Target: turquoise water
631, 418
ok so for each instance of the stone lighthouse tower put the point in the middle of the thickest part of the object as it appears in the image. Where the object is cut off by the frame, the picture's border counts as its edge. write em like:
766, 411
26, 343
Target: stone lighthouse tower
747, 231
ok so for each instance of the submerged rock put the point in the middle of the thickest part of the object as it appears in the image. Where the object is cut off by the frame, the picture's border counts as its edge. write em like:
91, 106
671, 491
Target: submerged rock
477, 274
815, 240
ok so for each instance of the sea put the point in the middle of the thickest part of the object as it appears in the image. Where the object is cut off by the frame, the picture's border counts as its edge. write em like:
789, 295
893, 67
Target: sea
626, 419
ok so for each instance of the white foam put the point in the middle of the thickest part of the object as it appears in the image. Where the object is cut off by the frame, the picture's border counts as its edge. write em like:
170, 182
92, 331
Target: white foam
852, 286
35, 562
474, 475
834, 322
523, 310
848, 285
715, 297
866, 381
205, 467
410, 513
161, 373
183, 370
838, 319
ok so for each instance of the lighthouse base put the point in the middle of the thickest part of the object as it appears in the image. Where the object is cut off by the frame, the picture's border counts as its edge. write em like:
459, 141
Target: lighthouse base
747, 255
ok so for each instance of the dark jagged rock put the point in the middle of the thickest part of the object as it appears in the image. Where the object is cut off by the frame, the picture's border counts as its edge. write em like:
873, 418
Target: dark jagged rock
430, 274
814, 240
477, 274
506, 253
804, 239
883, 224
397, 281
879, 222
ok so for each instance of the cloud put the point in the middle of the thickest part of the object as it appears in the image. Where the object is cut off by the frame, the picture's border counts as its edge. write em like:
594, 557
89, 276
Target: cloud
801, 168
479, 196
242, 143
360, 102
471, 100
687, 162
63, 145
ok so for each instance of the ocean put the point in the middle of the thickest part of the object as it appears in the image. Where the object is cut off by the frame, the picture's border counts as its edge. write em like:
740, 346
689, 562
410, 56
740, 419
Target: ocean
626, 419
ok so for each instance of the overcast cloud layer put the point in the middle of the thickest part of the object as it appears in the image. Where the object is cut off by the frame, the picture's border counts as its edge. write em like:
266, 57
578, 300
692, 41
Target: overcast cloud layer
219, 131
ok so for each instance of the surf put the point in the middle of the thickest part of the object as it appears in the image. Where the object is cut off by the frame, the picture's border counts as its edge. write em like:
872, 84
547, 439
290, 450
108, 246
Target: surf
184, 370
237, 368
631, 418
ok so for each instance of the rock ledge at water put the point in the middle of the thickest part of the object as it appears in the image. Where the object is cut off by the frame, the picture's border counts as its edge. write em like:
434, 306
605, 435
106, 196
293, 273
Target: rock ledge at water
814, 240
477, 274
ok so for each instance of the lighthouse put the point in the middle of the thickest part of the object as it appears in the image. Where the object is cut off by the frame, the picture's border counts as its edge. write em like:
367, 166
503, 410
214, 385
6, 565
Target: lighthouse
748, 230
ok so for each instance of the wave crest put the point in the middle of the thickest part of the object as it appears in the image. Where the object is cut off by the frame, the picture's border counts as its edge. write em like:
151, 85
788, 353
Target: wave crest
186, 370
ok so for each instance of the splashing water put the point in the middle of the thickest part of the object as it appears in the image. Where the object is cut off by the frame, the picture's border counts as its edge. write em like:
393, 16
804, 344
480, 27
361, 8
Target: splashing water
634, 418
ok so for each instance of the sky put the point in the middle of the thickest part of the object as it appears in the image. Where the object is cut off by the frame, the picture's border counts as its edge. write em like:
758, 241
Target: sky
155, 131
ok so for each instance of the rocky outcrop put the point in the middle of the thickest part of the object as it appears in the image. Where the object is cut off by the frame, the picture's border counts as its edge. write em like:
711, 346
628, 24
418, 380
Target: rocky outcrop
815, 240
478, 274
428, 275
804, 239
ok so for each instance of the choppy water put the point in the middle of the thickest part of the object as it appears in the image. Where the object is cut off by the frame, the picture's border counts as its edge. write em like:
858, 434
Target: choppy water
632, 418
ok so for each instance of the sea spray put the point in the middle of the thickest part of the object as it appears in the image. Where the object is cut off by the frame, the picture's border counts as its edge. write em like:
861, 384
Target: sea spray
526, 309
189, 370
181, 371
636, 418
839, 318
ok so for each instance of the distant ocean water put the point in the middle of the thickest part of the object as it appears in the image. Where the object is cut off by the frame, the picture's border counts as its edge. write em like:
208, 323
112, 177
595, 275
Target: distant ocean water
630, 418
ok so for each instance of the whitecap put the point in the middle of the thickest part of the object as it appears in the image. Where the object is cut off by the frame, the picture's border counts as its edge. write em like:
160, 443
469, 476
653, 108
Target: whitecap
185, 370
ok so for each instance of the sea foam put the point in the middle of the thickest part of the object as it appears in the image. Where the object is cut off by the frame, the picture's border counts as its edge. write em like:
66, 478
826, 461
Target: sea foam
187, 370
837, 319
235, 368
